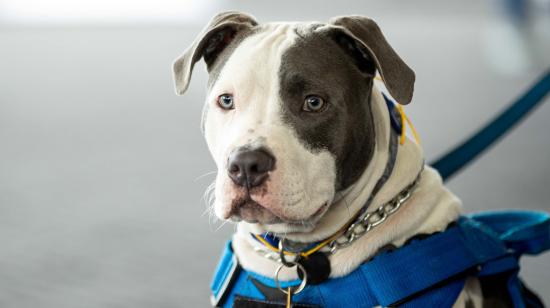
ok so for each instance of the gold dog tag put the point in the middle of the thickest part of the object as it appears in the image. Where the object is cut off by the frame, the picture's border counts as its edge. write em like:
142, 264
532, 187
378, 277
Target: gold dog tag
289, 297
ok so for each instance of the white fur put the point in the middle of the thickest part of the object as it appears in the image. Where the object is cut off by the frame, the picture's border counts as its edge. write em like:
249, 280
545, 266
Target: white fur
302, 181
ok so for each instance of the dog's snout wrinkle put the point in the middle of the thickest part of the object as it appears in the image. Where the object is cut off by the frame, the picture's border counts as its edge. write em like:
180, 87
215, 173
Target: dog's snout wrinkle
250, 168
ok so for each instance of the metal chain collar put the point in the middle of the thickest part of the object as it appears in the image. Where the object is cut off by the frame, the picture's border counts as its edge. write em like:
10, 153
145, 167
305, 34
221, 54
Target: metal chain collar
362, 224
368, 220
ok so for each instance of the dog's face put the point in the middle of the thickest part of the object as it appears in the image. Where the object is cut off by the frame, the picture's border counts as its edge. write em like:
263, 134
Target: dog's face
287, 117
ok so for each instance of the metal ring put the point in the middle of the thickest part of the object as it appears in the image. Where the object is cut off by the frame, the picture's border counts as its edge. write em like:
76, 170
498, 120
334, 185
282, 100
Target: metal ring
283, 258
302, 284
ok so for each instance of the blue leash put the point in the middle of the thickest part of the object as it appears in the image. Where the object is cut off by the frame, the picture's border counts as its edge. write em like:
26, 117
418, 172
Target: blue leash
464, 153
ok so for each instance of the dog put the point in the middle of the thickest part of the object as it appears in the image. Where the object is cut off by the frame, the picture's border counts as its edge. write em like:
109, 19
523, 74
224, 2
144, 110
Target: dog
303, 141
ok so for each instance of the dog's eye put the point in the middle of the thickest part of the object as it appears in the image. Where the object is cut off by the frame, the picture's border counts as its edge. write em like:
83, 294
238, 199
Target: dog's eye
313, 103
225, 101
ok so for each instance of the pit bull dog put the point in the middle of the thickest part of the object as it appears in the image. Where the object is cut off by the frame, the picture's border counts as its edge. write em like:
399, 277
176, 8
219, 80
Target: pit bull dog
308, 157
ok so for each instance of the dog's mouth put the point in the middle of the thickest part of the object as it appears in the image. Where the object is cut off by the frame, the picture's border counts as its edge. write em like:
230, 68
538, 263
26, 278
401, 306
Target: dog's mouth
252, 212
248, 210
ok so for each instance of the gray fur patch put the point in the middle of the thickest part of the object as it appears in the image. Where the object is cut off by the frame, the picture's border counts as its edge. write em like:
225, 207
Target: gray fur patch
317, 64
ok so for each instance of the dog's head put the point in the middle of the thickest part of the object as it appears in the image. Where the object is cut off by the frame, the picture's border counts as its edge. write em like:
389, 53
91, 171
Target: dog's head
287, 117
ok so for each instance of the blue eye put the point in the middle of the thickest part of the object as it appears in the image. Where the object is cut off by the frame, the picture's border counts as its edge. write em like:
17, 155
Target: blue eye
225, 101
313, 103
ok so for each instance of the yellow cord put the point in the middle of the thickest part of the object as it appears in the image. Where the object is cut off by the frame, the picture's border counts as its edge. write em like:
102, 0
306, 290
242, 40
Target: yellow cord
306, 253
415, 134
404, 120
268, 245
403, 124
288, 298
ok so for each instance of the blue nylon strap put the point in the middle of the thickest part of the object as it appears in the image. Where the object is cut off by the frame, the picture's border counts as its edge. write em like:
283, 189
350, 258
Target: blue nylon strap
222, 268
395, 116
423, 263
467, 151
442, 297
483, 245
526, 232
227, 270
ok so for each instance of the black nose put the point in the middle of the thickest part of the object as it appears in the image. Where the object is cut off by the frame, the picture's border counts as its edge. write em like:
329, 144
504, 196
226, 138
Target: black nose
249, 167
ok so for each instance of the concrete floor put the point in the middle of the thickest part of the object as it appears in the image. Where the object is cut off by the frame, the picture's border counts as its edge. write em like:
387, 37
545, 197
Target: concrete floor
101, 164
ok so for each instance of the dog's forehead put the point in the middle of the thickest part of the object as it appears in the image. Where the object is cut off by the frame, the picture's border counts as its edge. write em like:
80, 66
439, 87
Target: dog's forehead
257, 52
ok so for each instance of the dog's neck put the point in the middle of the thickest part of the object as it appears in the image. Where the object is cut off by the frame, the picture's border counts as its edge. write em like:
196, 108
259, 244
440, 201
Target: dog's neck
430, 208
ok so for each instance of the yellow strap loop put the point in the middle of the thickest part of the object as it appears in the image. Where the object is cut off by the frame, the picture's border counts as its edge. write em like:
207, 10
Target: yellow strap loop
404, 121
305, 253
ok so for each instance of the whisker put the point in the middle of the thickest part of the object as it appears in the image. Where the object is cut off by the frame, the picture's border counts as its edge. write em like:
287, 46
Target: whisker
203, 175
206, 211
209, 198
346, 203
220, 226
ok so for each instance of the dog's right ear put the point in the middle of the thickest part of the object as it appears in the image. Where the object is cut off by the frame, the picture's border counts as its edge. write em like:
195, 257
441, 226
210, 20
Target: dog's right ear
365, 33
219, 33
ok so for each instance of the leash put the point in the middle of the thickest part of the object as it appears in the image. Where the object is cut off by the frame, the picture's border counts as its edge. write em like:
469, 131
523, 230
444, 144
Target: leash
463, 154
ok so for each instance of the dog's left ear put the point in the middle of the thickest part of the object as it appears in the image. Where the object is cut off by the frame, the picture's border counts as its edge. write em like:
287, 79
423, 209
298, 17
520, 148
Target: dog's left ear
217, 35
398, 77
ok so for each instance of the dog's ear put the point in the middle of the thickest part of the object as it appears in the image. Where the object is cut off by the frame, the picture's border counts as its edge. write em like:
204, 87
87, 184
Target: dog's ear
219, 33
364, 32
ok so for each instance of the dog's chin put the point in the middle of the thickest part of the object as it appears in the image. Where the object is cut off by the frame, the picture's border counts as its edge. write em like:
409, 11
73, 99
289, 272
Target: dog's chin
252, 212
287, 228
264, 220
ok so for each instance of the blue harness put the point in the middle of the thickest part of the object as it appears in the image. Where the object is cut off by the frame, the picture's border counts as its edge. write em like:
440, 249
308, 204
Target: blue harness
429, 272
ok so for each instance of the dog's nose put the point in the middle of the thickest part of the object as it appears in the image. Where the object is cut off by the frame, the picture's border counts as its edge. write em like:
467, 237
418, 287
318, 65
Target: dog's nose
249, 167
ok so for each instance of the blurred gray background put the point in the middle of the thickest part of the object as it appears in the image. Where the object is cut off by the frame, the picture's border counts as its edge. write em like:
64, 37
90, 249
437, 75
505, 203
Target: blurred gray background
103, 167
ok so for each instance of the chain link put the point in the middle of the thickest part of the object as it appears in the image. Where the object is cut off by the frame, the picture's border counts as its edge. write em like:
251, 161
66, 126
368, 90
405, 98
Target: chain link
268, 254
369, 220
